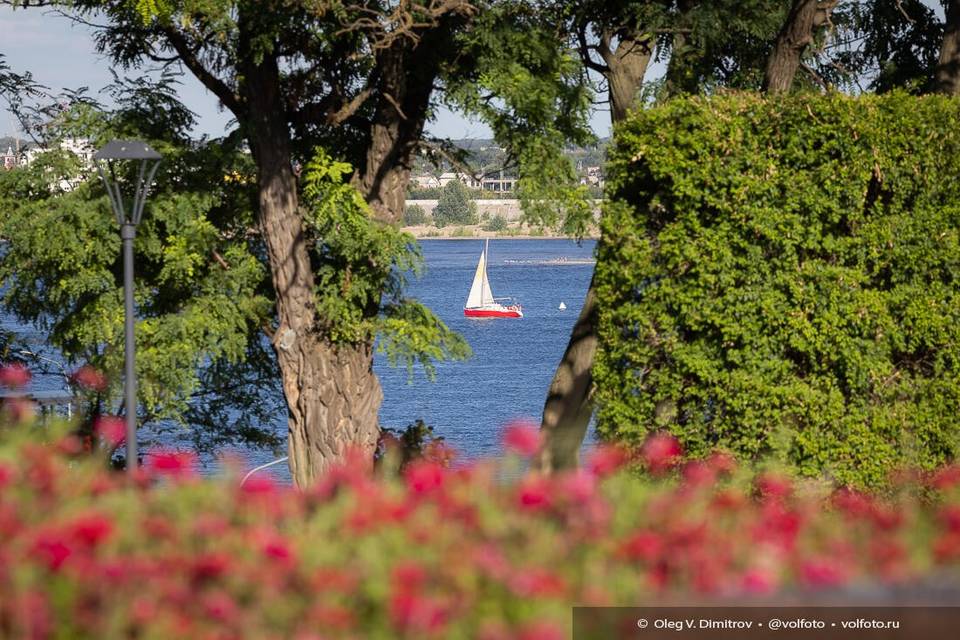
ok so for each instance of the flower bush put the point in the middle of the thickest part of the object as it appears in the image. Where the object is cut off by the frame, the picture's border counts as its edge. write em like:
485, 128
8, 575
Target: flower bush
432, 551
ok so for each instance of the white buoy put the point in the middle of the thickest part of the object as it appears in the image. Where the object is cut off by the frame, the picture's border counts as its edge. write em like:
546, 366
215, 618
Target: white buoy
562, 306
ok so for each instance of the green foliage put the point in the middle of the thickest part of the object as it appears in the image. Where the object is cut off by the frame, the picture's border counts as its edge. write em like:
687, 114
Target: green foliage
360, 267
531, 91
496, 223
414, 215
781, 278
201, 289
454, 206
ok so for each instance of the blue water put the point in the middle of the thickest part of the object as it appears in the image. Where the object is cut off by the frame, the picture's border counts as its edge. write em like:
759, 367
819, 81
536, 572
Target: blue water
513, 359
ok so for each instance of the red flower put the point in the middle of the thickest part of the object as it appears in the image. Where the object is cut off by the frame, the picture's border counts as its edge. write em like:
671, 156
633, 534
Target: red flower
950, 517
14, 376
51, 550
424, 476
538, 583
91, 530
534, 493
175, 464
219, 606
643, 545
773, 486
660, 452
758, 581
209, 566
274, 546
577, 486
822, 572
522, 437
413, 612
947, 477
6, 473
697, 473
111, 430
89, 378
607, 459
260, 484
408, 575
541, 630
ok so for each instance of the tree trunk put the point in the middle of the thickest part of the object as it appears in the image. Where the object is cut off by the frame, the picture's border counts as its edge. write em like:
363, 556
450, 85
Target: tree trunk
948, 68
408, 70
331, 391
797, 33
567, 410
626, 67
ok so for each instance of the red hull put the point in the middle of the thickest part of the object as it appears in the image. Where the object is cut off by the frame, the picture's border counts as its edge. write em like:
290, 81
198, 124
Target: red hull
489, 313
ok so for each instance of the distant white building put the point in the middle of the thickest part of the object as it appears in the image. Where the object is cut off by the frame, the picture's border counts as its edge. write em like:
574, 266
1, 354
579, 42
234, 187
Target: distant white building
426, 182
499, 185
450, 176
79, 147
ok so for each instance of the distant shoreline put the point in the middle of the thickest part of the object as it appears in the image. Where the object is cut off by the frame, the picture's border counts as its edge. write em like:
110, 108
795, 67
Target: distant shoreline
476, 232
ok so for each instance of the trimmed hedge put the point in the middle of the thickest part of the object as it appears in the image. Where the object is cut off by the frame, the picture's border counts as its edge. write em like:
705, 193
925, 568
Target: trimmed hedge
779, 277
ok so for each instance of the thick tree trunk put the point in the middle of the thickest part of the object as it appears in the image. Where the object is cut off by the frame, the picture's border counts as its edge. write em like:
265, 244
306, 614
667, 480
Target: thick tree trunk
332, 394
948, 68
568, 408
627, 65
795, 36
408, 70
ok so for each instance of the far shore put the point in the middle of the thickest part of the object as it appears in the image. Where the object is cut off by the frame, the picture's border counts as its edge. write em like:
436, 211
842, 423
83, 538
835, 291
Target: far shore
467, 232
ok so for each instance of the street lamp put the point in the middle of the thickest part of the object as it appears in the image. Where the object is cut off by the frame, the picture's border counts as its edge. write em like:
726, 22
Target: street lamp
128, 150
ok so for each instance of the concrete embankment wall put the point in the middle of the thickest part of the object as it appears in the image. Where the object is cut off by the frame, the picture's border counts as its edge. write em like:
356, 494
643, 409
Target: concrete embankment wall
509, 209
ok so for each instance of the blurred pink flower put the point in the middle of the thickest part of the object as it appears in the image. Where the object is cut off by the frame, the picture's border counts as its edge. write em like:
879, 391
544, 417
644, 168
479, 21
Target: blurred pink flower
758, 581
89, 378
14, 376
541, 630
111, 430
822, 572
522, 437
91, 529
607, 459
424, 476
534, 493
174, 464
643, 545
773, 486
51, 549
660, 452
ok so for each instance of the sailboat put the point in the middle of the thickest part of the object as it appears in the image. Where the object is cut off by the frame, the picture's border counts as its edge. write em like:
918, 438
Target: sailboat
480, 302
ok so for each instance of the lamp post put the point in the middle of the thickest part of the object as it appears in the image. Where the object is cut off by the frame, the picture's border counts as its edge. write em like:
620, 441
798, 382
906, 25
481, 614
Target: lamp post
128, 151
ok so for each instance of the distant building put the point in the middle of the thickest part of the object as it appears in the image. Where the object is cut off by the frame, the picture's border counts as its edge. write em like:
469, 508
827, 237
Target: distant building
450, 176
9, 159
499, 185
426, 182
593, 176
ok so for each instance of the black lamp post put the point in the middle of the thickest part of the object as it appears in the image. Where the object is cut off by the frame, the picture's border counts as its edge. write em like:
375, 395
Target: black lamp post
110, 154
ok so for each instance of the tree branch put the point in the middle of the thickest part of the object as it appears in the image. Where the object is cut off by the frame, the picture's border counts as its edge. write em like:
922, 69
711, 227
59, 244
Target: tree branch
189, 58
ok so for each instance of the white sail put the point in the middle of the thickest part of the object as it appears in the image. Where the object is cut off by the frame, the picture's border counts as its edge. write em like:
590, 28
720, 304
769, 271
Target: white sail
475, 299
480, 293
486, 295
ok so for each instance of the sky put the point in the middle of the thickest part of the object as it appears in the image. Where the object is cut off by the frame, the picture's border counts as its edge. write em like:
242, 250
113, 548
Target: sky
60, 54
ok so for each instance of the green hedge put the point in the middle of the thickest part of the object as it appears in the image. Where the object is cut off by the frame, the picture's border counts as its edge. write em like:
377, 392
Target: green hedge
780, 277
